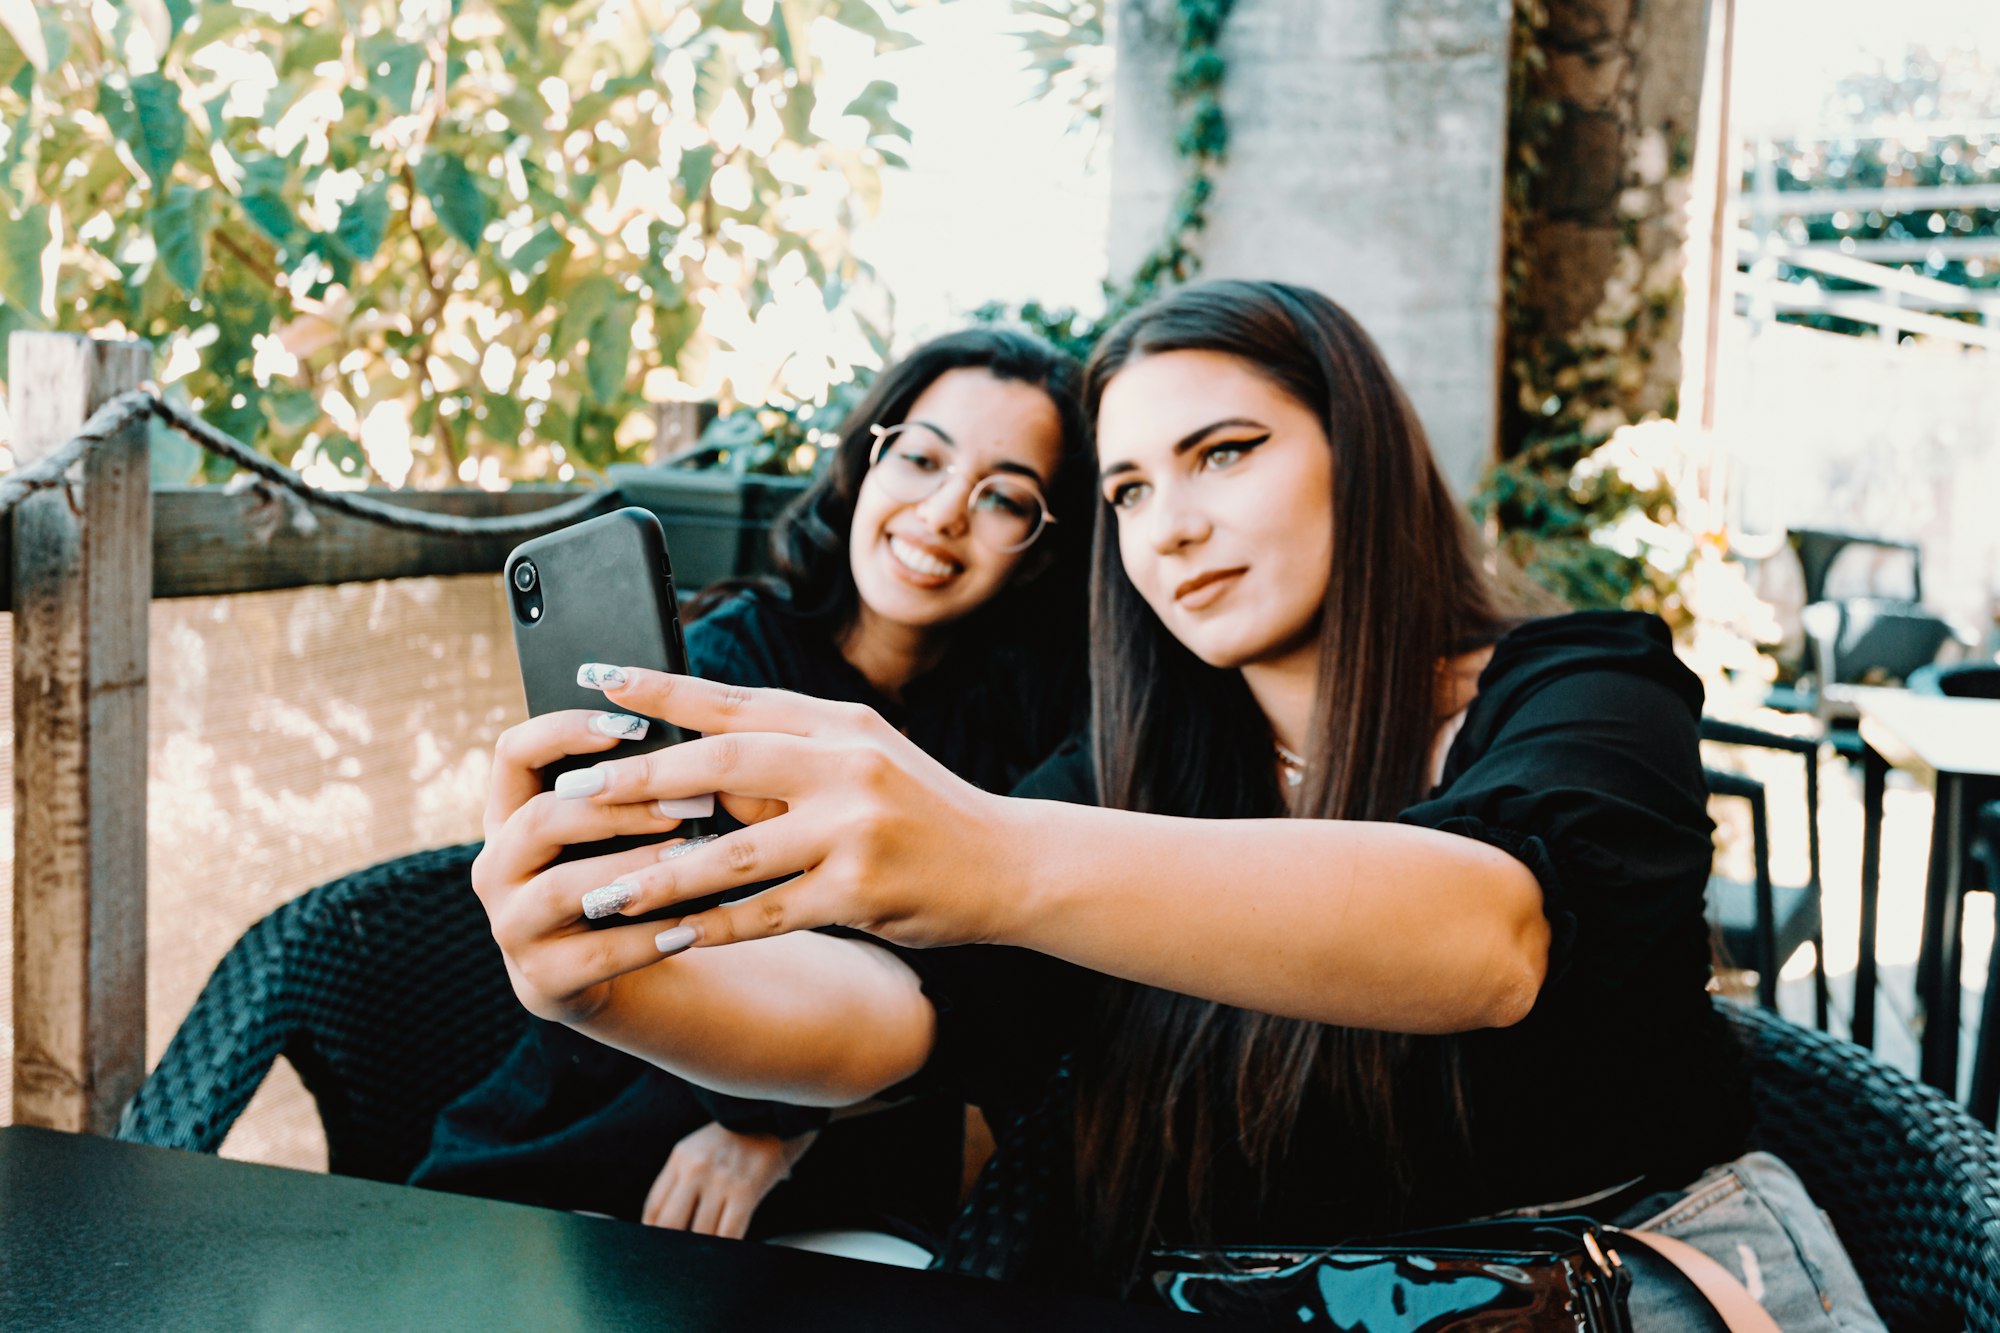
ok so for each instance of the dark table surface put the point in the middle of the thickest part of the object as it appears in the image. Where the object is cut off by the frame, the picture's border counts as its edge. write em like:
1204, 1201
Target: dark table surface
97, 1234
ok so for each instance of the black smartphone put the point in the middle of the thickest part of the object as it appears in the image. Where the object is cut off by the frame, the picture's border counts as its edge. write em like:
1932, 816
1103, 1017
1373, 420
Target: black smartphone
597, 591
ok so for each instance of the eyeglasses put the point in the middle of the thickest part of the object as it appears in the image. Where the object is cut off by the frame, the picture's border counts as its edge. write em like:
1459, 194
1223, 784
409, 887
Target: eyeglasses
911, 462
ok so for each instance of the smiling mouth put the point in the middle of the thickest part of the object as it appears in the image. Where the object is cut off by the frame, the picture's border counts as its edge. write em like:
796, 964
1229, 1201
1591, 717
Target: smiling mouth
1204, 588
921, 562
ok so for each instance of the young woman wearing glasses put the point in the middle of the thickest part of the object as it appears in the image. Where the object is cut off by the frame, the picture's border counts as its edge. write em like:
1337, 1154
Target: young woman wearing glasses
1368, 903
934, 574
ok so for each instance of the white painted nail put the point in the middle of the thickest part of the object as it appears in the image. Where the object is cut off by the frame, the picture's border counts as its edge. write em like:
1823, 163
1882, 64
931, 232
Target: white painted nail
687, 807
621, 725
600, 676
683, 848
600, 903
580, 782
676, 940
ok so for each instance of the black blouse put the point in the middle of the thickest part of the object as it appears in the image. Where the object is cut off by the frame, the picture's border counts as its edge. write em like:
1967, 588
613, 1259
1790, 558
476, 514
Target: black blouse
1579, 757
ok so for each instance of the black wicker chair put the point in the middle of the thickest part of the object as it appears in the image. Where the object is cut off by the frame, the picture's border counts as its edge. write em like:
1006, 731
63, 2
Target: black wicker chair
1911, 1182
385, 991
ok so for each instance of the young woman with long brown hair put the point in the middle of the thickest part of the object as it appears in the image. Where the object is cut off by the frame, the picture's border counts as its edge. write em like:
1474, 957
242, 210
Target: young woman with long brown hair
1364, 904
935, 573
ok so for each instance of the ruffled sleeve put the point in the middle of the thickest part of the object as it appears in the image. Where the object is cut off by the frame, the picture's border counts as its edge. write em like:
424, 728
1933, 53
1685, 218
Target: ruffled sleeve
1580, 758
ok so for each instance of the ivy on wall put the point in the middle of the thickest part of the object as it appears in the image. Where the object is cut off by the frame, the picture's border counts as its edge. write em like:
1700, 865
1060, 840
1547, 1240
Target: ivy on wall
1595, 535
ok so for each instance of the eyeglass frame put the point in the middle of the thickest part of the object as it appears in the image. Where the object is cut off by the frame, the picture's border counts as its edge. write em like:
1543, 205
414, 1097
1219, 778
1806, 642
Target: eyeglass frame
883, 434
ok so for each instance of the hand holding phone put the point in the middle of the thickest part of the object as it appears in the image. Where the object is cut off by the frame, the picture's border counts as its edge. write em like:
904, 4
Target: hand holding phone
599, 593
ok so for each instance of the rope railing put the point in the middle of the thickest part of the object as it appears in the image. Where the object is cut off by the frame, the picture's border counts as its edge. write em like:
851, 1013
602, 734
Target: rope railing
121, 412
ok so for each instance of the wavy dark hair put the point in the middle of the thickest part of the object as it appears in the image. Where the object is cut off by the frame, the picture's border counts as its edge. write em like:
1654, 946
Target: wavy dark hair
1043, 605
1185, 1090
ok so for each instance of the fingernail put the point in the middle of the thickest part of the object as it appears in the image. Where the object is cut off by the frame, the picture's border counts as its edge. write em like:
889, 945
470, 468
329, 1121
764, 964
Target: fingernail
683, 848
600, 676
622, 725
600, 903
676, 940
580, 782
687, 807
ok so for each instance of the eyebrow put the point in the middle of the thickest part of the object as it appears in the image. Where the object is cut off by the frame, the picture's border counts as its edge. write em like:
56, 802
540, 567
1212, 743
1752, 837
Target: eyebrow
1003, 465
1185, 443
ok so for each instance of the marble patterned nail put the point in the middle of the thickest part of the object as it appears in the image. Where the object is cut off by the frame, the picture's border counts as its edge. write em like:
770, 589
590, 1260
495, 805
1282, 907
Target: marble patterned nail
600, 903
683, 848
600, 676
622, 726
579, 782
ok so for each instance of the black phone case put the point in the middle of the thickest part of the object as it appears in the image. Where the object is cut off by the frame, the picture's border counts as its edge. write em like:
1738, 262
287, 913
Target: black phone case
607, 595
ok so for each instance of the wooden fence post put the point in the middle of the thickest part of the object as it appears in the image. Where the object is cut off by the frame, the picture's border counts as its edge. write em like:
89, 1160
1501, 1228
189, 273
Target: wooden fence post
82, 588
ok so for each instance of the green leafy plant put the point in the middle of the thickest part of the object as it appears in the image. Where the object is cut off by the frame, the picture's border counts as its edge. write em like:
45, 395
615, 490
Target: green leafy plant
416, 240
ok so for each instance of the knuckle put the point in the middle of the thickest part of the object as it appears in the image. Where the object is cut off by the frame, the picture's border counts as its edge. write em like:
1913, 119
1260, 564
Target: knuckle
728, 756
770, 913
731, 700
740, 854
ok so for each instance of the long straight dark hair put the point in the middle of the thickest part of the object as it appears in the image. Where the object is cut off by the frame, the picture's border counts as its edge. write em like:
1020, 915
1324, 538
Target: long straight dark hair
1042, 608
1184, 1091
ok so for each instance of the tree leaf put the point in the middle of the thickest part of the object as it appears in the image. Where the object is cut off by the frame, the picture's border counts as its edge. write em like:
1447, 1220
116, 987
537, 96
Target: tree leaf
263, 196
546, 240
798, 111
586, 301
874, 105
364, 222
180, 230
175, 459
697, 166
454, 193
610, 350
392, 72
863, 18
22, 241
318, 45
157, 129
673, 325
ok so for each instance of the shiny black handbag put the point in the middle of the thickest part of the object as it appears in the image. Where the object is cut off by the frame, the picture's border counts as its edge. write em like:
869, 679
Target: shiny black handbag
1543, 1274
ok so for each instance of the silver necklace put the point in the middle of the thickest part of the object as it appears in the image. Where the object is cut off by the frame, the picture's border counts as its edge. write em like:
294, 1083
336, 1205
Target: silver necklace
1291, 763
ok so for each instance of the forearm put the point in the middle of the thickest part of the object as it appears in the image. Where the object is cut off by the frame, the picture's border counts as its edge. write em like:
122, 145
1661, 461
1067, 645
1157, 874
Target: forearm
806, 1018
1357, 924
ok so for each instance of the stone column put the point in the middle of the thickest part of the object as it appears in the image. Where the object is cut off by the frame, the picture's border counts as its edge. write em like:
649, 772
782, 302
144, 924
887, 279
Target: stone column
1366, 152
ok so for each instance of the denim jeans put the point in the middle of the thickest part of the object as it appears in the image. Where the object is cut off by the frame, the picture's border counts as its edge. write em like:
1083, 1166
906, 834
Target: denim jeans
1754, 1218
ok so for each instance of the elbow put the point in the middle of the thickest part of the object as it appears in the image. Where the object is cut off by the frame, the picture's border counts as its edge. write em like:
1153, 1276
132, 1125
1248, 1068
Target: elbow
1519, 967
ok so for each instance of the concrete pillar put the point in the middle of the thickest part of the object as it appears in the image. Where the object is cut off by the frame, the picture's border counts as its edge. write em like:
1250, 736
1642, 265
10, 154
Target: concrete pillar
1366, 158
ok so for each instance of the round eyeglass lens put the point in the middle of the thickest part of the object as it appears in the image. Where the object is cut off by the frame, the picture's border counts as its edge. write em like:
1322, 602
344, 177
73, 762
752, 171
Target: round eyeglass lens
1006, 514
911, 463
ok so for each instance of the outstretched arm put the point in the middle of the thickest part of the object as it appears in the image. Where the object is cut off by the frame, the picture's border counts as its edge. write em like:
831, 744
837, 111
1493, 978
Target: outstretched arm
1372, 925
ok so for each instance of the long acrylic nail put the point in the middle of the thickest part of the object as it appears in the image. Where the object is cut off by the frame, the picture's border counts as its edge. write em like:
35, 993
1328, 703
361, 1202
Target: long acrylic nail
600, 676
677, 940
580, 782
683, 848
687, 807
623, 726
600, 903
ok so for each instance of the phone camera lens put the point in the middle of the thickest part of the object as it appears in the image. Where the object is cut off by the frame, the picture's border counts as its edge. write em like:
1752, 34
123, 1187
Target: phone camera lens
524, 576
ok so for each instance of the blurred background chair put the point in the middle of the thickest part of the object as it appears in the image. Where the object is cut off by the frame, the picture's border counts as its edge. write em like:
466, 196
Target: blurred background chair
385, 991
1835, 567
1761, 924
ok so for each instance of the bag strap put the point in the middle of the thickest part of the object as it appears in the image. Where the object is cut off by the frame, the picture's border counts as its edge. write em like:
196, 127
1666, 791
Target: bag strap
1733, 1302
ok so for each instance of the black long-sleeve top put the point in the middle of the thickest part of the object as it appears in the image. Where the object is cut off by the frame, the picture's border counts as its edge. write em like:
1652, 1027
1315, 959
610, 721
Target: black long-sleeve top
1579, 757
